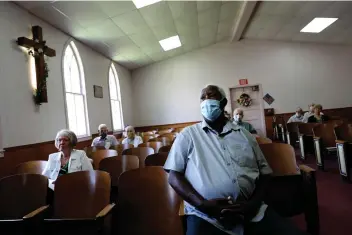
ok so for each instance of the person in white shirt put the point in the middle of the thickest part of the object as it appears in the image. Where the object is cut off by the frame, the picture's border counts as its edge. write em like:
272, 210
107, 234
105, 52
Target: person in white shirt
68, 159
132, 138
104, 140
298, 117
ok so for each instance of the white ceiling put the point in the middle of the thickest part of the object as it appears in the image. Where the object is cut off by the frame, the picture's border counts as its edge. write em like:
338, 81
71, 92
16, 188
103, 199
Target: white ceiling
284, 20
131, 36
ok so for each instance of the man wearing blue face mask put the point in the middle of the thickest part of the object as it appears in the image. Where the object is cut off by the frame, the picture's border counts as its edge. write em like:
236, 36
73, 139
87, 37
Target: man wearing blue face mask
219, 170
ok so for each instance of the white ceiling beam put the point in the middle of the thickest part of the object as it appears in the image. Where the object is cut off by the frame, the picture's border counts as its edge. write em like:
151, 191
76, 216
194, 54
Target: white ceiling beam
242, 19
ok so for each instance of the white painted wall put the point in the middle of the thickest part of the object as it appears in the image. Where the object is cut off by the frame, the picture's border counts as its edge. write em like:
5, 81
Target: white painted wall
294, 74
22, 123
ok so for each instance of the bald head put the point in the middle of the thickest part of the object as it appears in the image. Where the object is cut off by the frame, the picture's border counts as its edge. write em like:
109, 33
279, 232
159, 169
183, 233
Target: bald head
238, 115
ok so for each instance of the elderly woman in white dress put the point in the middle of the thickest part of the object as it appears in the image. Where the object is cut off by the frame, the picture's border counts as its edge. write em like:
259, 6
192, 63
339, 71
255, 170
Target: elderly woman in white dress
68, 159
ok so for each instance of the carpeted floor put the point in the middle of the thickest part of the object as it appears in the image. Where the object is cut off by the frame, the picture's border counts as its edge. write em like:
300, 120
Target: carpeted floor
334, 198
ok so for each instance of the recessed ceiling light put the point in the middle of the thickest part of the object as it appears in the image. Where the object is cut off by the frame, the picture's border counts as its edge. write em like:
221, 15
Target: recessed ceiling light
318, 24
143, 3
170, 43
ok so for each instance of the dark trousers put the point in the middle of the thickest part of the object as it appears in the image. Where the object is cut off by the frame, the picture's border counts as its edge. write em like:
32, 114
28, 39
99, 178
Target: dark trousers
271, 224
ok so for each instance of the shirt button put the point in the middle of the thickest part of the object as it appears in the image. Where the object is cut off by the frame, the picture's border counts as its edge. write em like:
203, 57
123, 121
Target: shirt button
228, 164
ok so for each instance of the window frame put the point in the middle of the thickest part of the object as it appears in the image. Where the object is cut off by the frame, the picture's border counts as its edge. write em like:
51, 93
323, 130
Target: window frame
72, 45
118, 94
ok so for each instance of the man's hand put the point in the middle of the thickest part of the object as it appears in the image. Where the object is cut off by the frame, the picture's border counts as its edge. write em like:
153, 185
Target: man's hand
245, 209
214, 207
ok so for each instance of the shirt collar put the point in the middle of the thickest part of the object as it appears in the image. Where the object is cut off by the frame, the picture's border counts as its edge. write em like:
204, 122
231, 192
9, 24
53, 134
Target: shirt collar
227, 128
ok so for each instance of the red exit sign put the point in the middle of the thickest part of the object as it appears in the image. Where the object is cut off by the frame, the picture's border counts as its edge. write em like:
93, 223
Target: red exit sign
243, 81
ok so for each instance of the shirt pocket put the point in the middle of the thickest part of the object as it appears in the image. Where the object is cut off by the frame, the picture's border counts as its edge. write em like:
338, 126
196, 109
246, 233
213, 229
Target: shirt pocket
244, 156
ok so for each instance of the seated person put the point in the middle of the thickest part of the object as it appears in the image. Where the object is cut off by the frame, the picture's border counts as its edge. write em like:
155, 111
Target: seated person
309, 113
318, 117
298, 117
104, 140
221, 173
68, 159
132, 138
237, 119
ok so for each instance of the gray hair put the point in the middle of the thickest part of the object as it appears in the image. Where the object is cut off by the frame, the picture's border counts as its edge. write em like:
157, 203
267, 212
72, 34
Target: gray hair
238, 111
212, 87
66, 133
130, 128
101, 126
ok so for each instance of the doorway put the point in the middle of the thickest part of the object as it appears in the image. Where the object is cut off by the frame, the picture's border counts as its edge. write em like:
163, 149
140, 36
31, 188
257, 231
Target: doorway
254, 114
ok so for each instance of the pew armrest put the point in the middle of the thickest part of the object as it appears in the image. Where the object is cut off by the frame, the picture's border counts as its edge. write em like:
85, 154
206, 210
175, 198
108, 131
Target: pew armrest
36, 212
340, 142
181, 211
306, 169
104, 212
316, 138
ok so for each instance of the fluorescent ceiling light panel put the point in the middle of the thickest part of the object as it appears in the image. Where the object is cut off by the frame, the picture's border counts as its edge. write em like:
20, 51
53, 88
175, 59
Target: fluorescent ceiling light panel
170, 43
143, 3
318, 24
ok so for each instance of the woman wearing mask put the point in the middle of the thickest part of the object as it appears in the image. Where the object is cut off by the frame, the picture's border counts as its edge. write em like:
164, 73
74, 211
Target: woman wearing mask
132, 138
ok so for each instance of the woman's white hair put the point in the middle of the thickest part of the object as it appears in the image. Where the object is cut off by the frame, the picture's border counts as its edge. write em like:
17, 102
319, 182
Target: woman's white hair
66, 133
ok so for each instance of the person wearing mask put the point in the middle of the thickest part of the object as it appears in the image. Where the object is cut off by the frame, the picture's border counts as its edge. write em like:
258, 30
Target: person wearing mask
104, 140
237, 119
220, 172
132, 138
298, 117
318, 117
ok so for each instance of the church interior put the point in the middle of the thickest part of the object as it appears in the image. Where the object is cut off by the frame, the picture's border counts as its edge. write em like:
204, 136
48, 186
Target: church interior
105, 107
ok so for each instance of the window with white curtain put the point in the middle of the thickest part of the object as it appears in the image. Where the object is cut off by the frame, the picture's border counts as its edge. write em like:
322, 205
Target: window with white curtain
115, 99
75, 92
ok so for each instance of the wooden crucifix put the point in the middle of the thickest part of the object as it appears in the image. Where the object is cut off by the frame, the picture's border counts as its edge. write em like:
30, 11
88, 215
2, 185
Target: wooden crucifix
40, 49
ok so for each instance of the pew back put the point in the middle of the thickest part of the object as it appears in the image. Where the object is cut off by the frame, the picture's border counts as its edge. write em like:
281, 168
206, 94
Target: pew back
81, 194
31, 167
22, 194
115, 166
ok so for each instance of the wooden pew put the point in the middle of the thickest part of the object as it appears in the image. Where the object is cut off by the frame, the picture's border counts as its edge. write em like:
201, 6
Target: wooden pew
22, 202
305, 137
292, 133
141, 152
324, 142
292, 190
81, 204
147, 204
343, 136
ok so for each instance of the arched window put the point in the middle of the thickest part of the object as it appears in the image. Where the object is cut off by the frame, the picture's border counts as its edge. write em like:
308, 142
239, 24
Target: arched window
75, 92
115, 99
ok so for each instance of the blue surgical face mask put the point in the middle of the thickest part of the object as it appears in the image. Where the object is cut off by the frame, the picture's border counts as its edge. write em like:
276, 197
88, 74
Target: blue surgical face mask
210, 109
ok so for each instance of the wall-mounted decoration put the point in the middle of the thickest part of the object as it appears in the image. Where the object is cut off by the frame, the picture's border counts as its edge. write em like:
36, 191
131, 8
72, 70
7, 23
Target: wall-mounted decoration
244, 100
98, 91
269, 112
268, 98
